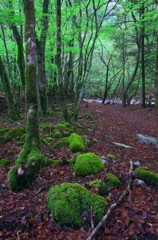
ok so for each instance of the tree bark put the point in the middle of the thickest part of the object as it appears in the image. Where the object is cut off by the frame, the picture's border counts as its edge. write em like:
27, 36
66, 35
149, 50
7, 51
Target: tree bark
156, 82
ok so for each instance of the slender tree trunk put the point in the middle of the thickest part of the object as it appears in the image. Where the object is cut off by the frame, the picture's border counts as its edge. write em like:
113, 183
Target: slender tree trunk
42, 80
12, 111
21, 60
32, 135
142, 55
156, 81
58, 62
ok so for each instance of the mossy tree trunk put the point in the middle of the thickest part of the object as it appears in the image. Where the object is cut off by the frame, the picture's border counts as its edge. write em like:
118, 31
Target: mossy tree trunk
156, 82
42, 80
32, 132
12, 110
30, 159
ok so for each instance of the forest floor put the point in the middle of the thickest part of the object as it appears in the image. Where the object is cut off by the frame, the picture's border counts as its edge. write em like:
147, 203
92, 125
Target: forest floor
24, 214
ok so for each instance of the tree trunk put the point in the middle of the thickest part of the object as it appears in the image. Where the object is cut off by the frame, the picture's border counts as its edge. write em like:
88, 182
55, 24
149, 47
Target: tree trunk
156, 82
12, 111
42, 80
58, 62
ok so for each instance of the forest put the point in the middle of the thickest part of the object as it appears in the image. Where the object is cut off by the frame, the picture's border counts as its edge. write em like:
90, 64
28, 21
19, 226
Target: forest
79, 119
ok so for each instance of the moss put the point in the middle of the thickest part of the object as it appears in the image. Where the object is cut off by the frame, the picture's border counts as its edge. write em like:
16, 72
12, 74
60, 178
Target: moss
70, 204
13, 133
3, 130
63, 125
147, 175
26, 166
76, 143
71, 161
53, 162
49, 139
86, 140
95, 140
113, 180
47, 127
89, 117
10, 152
4, 162
57, 134
101, 186
111, 156
20, 143
66, 133
61, 143
87, 164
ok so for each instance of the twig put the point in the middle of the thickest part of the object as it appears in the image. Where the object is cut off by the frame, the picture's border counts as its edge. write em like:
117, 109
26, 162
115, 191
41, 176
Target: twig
114, 205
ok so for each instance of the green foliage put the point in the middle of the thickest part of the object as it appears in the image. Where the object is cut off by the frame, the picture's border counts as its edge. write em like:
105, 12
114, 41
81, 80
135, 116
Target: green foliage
69, 203
3, 130
113, 180
13, 133
4, 162
87, 164
147, 175
76, 143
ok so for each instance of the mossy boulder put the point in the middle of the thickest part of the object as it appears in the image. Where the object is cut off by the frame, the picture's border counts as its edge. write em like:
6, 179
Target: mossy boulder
4, 162
13, 133
70, 205
112, 180
87, 164
147, 175
76, 143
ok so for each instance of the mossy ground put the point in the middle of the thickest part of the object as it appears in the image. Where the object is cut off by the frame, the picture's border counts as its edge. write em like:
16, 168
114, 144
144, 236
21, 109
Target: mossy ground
70, 203
87, 164
13, 133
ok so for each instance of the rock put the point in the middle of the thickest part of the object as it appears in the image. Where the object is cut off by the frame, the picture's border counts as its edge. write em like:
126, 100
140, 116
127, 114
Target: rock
139, 182
103, 159
136, 164
146, 139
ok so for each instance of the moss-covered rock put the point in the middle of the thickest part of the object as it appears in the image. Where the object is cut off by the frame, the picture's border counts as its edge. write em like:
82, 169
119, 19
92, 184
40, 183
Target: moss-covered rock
87, 164
70, 205
112, 180
57, 134
13, 133
63, 125
76, 143
100, 185
4, 162
147, 175
47, 127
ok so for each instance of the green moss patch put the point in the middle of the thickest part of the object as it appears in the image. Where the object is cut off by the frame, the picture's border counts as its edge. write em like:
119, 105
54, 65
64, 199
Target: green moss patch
57, 134
47, 127
4, 162
87, 164
147, 175
76, 143
111, 156
13, 133
112, 180
70, 205
3, 130
26, 166
63, 142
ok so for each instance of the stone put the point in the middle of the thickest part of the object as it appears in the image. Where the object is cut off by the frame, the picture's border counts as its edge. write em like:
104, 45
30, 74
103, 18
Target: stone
147, 139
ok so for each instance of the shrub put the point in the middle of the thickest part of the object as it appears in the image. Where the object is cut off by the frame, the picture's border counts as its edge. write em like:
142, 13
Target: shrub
87, 164
70, 205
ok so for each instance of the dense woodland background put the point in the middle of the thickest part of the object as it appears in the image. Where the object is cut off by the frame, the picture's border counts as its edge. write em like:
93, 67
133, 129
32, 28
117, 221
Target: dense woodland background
57, 58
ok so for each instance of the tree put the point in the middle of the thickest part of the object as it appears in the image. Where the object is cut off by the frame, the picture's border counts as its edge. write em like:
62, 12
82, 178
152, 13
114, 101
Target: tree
30, 158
